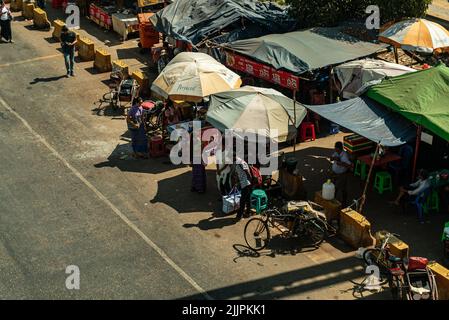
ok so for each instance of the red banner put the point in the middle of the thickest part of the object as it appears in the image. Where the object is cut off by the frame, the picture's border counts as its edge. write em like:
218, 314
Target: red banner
261, 71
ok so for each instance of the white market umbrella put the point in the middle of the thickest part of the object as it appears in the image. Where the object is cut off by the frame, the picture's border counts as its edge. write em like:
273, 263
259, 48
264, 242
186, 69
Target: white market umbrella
252, 109
191, 76
419, 35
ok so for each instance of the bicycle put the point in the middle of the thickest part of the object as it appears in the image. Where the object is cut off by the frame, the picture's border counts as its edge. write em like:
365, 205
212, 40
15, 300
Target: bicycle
257, 230
389, 265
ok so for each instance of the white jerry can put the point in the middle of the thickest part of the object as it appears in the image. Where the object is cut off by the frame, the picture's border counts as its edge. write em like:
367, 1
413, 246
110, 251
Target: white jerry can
328, 192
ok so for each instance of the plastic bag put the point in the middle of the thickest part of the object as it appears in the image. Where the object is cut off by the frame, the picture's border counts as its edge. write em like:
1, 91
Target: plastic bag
231, 202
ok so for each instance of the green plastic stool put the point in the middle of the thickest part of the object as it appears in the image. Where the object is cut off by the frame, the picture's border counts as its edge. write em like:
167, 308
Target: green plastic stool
358, 168
383, 182
259, 200
432, 203
364, 172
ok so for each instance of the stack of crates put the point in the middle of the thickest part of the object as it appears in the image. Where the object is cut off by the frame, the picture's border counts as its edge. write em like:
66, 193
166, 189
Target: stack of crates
357, 145
148, 35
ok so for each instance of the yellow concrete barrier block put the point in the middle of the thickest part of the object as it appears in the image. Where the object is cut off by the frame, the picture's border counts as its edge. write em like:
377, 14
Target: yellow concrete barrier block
40, 19
355, 229
142, 80
442, 280
27, 10
57, 29
86, 49
332, 208
102, 61
397, 247
16, 5
78, 35
121, 67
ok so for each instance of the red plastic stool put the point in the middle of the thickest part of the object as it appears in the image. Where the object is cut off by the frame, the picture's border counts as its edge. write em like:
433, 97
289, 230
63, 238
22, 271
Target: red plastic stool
56, 4
307, 131
156, 147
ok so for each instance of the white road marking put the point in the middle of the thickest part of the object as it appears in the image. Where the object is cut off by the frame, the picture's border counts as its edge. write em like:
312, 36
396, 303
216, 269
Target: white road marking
154, 246
31, 60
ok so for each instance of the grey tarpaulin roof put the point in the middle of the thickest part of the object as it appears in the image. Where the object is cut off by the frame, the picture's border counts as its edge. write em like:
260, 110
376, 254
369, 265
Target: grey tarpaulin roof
196, 20
305, 50
369, 119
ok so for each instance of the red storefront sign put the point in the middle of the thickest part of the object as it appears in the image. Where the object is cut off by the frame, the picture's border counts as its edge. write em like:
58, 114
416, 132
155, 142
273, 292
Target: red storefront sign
261, 71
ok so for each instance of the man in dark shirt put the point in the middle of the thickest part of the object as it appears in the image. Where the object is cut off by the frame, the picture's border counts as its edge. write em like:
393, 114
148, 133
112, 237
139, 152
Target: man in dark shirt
68, 41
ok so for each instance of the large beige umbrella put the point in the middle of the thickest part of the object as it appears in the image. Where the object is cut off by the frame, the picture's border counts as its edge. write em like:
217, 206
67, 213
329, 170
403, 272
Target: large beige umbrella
266, 112
191, 76
419, 35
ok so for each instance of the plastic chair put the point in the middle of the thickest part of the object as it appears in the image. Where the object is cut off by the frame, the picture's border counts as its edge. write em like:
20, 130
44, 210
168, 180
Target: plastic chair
259, 200
307, 131
157, 148
419, 203
358, 168
383, 182
432, 202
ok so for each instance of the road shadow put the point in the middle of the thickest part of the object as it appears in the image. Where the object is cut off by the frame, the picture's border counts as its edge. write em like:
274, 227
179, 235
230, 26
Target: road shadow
51, 40
48, 79
175, 193
121, 158
299, 281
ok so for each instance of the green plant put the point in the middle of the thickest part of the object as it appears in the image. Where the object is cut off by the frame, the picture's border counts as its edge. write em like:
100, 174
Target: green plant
311, 13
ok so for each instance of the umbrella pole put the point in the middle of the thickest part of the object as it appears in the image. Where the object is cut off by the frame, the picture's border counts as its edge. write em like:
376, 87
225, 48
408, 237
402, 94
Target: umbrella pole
418, 142
368, 178
396, 56
294, 121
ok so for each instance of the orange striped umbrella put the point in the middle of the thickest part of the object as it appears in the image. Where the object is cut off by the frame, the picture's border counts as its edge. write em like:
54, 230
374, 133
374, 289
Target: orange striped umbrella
419, 35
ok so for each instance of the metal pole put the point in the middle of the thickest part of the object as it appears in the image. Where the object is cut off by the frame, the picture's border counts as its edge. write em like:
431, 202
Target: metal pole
365, 190
331, 95
396, 56
294, 120
418, 142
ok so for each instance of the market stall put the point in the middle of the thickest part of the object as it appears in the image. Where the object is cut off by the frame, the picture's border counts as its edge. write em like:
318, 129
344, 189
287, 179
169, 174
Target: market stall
125, 24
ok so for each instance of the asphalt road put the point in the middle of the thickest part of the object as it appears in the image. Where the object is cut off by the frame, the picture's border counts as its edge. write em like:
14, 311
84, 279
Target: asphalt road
132, 227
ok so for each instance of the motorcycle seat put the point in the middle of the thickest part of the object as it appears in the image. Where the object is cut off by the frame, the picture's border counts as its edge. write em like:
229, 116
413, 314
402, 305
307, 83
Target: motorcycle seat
394, 259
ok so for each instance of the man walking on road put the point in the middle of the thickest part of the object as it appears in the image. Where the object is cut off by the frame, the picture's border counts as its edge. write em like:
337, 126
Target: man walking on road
68, 41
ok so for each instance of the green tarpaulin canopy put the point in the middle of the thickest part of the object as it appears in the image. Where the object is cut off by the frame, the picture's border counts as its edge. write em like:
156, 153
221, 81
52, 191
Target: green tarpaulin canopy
421, 97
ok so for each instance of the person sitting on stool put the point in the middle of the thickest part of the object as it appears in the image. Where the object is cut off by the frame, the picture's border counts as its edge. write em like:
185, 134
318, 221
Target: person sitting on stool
340, 168
414, 189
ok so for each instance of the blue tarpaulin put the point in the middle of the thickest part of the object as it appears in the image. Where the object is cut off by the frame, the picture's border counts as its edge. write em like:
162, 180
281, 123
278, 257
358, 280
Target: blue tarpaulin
368, 119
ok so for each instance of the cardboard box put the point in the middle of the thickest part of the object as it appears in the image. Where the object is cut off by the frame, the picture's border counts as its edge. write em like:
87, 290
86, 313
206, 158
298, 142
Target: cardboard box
442, 280
332, 208
355, 229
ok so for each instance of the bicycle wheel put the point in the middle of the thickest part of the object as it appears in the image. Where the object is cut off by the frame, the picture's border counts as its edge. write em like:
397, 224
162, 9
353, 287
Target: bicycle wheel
257, 234
397, 287
314, 231
371, 256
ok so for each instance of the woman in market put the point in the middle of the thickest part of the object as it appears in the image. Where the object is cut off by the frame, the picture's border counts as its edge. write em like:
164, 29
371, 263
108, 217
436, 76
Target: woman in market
136, 127
5, 22
171, 114
199, 176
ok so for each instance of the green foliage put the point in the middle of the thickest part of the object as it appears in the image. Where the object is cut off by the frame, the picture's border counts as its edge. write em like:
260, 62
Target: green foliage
310, 13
